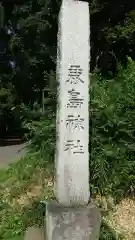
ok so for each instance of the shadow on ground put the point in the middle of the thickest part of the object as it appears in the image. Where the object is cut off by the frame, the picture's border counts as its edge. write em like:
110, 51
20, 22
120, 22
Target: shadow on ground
10, 142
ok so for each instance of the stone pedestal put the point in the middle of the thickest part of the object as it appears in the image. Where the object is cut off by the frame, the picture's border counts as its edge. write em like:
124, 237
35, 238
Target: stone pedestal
72, 223
72, 219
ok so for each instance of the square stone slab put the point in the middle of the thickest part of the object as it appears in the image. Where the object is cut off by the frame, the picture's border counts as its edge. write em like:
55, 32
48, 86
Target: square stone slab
72, 223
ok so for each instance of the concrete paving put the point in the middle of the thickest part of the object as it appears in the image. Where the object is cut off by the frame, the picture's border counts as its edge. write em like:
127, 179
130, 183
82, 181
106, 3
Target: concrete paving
9, 154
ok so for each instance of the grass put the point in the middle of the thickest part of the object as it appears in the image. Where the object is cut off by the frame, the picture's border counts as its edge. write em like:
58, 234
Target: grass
22, 187
112, 164
112, 135
118, 220
27, 183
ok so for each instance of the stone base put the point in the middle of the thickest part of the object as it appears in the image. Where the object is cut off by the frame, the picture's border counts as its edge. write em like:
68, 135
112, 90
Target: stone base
72, 223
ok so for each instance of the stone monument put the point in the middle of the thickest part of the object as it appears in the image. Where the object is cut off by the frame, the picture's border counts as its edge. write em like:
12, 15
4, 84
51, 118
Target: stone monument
72, 158
71, 217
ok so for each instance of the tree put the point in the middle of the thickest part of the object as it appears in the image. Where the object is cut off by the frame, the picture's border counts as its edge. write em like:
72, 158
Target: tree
31, 44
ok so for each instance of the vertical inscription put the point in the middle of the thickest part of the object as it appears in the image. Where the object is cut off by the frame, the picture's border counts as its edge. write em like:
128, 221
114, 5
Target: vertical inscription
74, 74
74, 123
74, 146
74, 100
73, 69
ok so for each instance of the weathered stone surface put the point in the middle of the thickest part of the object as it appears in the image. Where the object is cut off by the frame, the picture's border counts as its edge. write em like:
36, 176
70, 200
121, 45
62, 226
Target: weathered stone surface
72, 156
72, 223
72, 219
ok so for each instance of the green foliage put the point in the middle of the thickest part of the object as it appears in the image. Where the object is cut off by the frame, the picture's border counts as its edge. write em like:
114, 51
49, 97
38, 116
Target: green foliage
6, 105
43, 137
112, 134
17, 179
112, 146
107, 233
112, 162
112, 111
28, 113
112, 40
6, 100
39, 124
10, 220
